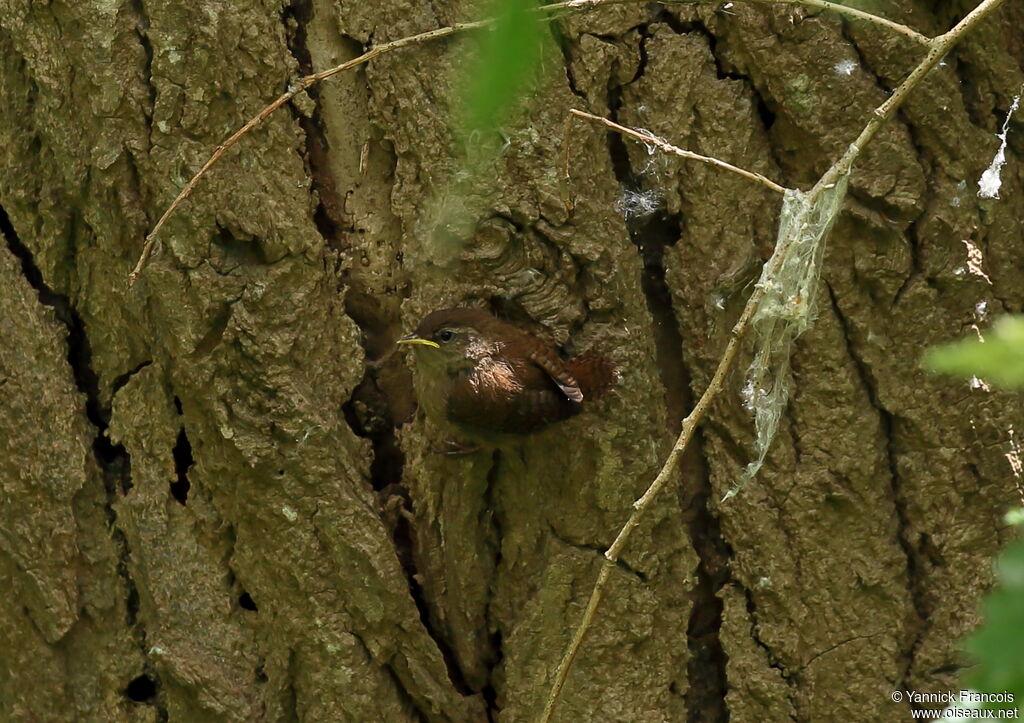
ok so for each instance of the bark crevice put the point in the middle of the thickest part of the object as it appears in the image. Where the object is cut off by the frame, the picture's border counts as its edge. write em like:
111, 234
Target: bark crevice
183, 461
916, 580
407, 697
652, 235
142, 31
329, 213
369, 411
493, 655
772, 658
113, 460
599, 551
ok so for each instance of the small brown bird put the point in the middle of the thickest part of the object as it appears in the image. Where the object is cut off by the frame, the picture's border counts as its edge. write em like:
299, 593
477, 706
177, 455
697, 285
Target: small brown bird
489, 378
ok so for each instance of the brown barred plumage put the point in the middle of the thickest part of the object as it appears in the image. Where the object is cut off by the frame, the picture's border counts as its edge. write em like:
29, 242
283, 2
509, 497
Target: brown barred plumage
484, 375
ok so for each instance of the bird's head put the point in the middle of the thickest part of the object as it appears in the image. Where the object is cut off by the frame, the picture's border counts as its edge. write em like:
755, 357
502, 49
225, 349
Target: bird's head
450, 340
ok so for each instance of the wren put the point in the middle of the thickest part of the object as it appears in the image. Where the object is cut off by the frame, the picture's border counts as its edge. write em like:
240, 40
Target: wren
489, 379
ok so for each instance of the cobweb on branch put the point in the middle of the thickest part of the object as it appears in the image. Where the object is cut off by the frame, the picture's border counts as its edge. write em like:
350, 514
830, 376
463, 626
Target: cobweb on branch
636, 203
786, 310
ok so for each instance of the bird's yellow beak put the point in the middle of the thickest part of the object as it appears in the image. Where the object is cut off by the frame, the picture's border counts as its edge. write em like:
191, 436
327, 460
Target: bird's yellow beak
413, 339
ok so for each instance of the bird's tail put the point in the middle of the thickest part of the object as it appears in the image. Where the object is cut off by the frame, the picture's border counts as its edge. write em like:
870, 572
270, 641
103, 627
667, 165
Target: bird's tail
595, 373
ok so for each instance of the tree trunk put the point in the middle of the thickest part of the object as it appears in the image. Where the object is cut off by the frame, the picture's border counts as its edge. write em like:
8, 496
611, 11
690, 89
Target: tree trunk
218, 503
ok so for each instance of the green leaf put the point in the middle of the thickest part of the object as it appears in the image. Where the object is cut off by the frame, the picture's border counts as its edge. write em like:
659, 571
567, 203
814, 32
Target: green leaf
509, 55
998, 360
998, 644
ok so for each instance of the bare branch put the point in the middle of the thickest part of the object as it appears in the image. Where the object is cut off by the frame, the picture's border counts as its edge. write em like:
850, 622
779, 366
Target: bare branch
300, 86
653, 140
817, 4
546, 11
939, 47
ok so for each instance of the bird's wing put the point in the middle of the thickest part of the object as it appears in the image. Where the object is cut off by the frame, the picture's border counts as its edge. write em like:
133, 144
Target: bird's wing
546, 358
533, 403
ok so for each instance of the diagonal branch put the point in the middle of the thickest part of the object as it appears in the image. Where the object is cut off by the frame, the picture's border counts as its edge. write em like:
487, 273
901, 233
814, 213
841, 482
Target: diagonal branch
301, 85
653, 140
816, 4
547, 12
939, 47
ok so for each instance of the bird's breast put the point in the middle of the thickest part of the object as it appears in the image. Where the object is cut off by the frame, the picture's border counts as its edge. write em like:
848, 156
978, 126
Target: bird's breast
494, 377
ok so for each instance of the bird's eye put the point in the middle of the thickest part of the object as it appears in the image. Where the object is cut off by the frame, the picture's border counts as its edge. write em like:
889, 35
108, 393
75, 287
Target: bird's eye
446, 335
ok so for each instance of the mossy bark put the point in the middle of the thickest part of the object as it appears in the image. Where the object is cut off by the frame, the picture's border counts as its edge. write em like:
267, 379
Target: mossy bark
218, 502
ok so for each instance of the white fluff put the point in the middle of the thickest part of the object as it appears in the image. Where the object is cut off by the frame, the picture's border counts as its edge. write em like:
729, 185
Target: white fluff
990, 182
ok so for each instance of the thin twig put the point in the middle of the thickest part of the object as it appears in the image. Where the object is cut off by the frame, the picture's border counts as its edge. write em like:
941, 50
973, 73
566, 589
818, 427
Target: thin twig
690, 424
147, 248
548, 11
301, 85
858, 15
939, 47
653, 140
816, 4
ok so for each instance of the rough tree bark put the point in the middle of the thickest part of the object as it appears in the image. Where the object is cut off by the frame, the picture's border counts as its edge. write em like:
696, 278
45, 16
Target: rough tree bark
215, 505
